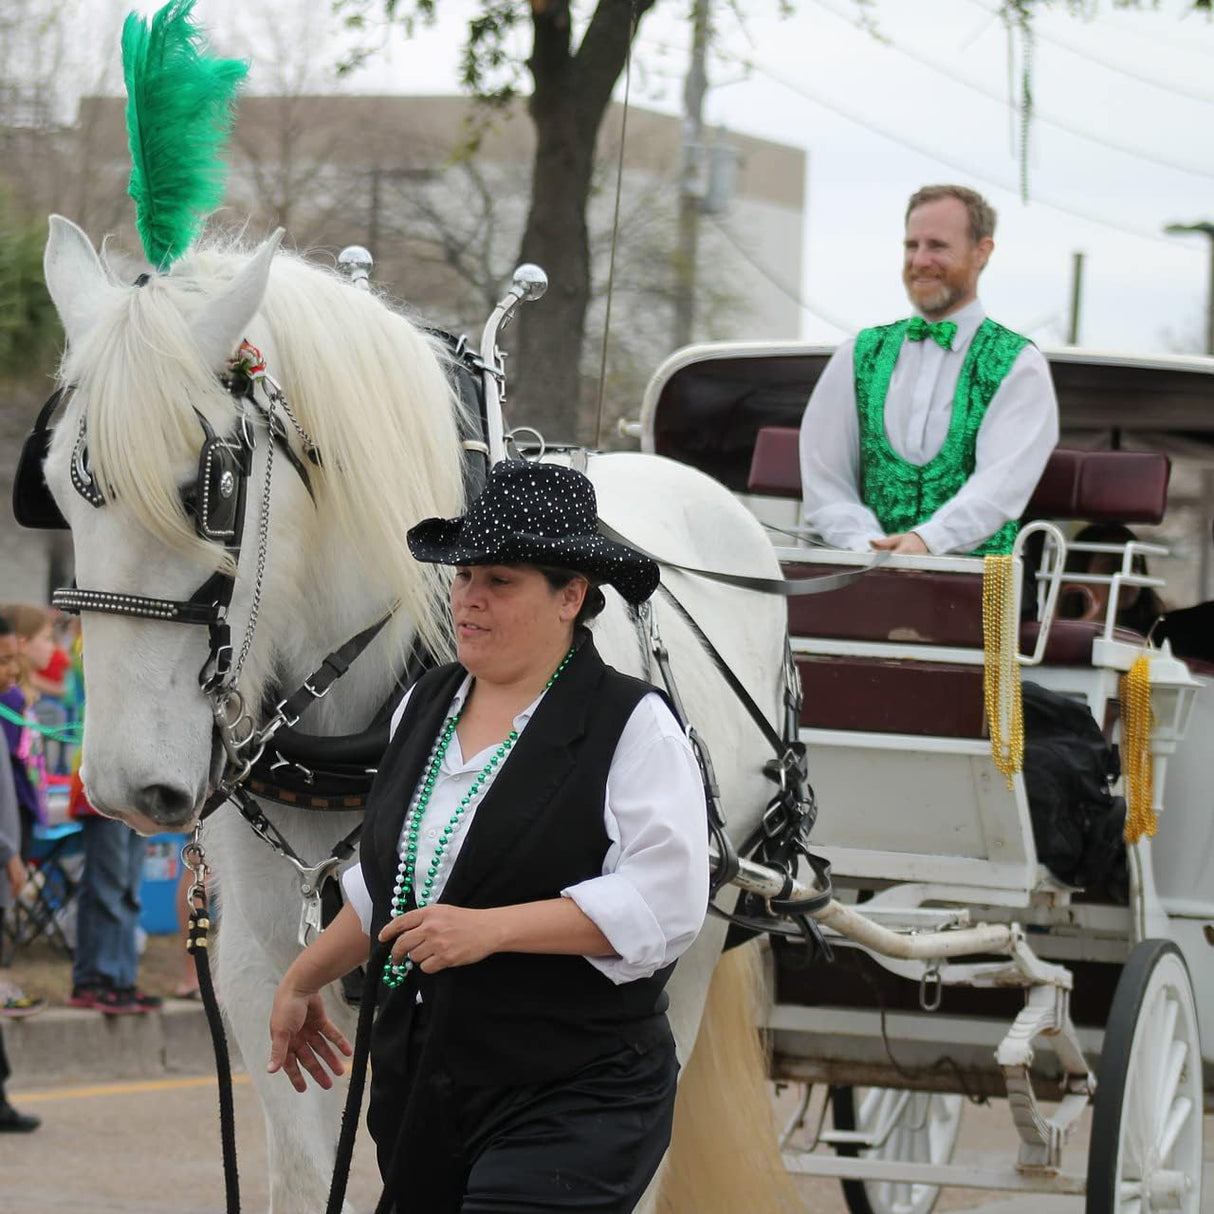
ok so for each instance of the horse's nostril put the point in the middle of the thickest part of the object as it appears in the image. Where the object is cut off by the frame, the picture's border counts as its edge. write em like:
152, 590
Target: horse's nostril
164, 802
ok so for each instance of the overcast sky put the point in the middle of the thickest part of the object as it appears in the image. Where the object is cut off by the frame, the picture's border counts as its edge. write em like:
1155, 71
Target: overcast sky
1121, 144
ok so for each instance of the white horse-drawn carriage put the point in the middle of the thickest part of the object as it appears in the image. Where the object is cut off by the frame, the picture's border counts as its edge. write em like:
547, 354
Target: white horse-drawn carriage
964, 968
1059, 997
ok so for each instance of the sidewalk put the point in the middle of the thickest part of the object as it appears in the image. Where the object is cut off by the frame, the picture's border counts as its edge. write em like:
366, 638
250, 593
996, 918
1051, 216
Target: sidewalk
67, 1044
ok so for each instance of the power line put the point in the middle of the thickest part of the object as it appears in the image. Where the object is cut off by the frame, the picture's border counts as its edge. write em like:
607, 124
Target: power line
1038, 115
1172, 89
933, 154
813, 309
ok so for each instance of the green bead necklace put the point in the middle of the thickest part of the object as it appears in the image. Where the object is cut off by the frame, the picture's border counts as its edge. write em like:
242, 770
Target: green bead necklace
394, 975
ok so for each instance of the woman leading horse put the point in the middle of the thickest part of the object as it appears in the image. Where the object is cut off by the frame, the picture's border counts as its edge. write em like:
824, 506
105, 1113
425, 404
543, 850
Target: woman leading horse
535, 854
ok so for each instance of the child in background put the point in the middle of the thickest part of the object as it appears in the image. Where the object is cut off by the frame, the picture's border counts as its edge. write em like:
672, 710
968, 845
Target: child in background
52, 685
13, 1001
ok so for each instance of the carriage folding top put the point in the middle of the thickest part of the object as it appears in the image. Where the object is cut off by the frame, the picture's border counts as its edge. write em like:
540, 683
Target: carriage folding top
925, 834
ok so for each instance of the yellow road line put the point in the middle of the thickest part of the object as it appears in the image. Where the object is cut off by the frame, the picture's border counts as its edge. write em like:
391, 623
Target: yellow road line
121, 1089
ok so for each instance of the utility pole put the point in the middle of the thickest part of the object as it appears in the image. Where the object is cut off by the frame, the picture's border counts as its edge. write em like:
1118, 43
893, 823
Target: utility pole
374, 208
1072, 331
1206, 229
691, 180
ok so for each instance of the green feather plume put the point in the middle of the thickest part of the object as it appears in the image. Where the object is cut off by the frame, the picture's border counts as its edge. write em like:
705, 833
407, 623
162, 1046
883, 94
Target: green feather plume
178, 115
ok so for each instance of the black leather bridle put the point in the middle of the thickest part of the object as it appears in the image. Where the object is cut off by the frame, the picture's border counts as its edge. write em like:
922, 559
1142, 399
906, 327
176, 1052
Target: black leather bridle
216, 500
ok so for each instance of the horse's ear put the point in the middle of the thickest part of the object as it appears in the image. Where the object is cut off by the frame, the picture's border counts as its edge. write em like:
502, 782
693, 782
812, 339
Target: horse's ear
220, 326
75, 278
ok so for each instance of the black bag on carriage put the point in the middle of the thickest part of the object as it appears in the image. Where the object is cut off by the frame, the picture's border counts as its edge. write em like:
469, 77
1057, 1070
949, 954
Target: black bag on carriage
1068, 768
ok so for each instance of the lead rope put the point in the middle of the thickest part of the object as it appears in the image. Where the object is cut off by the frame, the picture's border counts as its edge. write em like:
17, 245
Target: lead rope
358, 1076
196, 945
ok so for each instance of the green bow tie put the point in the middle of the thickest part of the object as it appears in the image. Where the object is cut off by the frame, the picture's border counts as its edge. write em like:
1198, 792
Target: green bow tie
942, 332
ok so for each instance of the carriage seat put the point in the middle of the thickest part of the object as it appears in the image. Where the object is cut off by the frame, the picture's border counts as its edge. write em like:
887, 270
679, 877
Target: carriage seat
1100, 486
945, 609
926, 608
880, 722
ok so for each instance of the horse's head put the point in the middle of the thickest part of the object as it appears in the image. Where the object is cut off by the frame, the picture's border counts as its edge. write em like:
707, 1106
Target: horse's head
145, 400
147, 464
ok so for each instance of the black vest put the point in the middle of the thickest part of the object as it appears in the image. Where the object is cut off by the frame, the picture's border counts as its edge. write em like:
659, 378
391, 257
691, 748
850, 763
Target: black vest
514, 1018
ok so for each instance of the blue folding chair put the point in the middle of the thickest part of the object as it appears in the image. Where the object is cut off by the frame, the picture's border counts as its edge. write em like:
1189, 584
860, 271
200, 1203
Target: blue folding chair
56, 858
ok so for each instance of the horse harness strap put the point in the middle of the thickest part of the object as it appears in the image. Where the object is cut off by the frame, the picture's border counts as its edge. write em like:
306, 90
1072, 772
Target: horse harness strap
246, 745
314, 772
785, 587
781, 839
312, 878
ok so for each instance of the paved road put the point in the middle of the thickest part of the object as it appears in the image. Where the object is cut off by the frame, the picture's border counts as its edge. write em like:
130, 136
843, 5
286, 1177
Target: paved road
152, 1147
141, 1147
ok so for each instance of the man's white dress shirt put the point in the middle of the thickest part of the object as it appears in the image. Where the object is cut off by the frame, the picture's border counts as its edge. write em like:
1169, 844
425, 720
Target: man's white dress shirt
652, 896
1017, 434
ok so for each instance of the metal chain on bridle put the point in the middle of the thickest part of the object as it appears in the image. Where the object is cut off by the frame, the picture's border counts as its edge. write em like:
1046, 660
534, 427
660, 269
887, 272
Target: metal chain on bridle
263, 535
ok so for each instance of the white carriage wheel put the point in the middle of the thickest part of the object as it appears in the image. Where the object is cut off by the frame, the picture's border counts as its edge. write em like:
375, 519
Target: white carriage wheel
1145, 1152
925, 1131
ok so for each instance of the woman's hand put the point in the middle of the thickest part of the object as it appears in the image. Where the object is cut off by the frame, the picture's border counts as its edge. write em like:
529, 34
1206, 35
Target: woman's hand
441, 936
302, 1035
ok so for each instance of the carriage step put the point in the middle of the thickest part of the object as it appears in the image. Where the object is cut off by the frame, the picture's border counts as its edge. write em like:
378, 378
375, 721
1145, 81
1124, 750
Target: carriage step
982, 1173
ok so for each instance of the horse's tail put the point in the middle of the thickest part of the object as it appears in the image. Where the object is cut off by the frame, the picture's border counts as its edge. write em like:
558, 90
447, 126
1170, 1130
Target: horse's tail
724, 1154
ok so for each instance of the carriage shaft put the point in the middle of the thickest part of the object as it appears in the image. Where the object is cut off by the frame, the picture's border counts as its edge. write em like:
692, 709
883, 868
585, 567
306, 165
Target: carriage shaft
922, 946
859, 928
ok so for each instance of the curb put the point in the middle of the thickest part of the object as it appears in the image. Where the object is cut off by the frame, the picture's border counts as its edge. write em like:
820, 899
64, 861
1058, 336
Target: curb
73, 1045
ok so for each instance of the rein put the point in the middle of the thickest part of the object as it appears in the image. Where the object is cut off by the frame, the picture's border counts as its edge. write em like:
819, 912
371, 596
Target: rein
780, 841
786, 587
197, 946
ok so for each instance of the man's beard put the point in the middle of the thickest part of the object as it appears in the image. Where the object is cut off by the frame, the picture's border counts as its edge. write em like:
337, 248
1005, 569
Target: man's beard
934, 297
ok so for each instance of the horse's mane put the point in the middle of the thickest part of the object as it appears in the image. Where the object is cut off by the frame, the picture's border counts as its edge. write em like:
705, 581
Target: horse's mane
363, 380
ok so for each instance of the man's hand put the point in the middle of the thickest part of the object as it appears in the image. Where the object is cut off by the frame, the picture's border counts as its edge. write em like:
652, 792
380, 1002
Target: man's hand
907, 543
441, 936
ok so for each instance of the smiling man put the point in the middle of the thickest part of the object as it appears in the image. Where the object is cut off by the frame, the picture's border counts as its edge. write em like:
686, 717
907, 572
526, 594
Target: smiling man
929, 435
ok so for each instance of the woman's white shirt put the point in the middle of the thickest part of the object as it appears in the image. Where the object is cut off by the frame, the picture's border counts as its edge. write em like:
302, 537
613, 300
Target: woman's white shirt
652, 895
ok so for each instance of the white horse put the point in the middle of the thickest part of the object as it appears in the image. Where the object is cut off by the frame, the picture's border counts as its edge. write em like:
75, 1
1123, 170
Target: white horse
143, 363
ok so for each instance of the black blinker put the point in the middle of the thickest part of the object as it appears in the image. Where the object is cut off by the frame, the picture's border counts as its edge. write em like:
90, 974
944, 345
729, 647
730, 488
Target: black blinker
33, 504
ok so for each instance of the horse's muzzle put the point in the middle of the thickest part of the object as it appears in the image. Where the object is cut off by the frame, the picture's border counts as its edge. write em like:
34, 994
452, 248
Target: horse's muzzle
168, 805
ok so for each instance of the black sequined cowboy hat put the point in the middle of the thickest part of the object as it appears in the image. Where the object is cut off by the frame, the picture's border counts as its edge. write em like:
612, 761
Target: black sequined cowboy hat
535, 514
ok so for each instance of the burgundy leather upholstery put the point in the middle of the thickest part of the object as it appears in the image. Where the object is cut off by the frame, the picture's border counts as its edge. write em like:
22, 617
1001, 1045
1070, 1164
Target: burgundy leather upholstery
926, 609
775, 466
891, 605
1070, 641
934, 698
1101, 486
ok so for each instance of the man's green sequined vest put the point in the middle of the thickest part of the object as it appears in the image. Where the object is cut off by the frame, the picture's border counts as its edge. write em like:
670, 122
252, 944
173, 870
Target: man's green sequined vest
903, 495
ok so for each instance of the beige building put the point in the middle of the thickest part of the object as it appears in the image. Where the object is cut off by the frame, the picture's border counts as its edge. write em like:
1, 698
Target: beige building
441, 201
